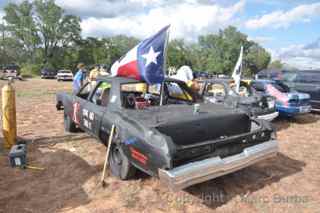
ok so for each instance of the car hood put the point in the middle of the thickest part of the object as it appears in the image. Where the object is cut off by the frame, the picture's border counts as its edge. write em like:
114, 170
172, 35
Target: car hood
297, 95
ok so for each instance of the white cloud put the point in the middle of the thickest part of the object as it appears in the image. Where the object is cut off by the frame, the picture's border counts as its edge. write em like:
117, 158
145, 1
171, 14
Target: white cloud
300, 56
106, 8
283, 19
261, 39
188, 19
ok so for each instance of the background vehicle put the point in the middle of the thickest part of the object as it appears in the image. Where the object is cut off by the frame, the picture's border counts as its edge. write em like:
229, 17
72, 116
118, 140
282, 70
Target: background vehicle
172, 142
10, 70
288, 102
272, 74
48, 73
305, 81
64, 75
221, 91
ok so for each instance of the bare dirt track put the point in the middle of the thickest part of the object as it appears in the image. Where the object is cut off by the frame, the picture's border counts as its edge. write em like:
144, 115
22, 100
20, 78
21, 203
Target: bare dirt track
289, 182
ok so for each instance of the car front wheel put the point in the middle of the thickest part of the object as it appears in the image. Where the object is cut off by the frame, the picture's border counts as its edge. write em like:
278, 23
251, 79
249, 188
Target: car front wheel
119, 163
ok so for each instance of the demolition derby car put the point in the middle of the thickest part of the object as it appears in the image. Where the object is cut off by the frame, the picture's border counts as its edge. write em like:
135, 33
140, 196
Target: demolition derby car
173, 141
289, 103
220, 91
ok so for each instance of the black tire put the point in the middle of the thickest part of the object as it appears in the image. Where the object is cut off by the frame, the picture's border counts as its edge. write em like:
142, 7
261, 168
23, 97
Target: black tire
69, 125
119, 163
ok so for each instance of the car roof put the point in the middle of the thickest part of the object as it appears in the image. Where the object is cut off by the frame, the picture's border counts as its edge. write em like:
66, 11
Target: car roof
310, 71
264, 81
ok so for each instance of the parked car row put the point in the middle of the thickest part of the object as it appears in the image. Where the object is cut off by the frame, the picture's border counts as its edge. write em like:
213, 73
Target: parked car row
221, 91
60, 75
305, 81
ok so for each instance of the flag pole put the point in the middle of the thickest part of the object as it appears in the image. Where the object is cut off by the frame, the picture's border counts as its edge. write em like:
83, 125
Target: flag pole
164, 67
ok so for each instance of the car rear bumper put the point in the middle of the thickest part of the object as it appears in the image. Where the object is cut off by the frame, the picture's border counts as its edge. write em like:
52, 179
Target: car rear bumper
315, 105
269, 117
200, 171
64, 77
291, 110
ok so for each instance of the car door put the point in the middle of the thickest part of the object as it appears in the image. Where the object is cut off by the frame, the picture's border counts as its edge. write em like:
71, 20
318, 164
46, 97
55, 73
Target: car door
95, 109
78, 103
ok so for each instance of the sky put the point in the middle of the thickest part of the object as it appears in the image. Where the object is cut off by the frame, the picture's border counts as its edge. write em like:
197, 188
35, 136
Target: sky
288, 29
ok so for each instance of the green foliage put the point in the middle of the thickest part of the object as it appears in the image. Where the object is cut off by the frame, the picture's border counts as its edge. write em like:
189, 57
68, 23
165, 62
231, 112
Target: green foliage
41, 23
39, 34
220, 52
178, 54
30, 70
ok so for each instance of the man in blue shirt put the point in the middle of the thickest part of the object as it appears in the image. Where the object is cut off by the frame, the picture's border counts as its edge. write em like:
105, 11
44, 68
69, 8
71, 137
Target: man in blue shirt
78, 78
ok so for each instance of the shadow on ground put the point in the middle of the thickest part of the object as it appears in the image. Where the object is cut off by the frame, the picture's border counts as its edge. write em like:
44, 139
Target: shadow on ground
219, 191
282, 123
58, 186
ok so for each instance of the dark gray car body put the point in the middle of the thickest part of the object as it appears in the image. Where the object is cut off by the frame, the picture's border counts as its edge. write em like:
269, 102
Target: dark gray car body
171, 138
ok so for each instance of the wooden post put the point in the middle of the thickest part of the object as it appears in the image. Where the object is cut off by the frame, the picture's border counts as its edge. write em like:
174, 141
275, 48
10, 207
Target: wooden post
9, 125
107, 154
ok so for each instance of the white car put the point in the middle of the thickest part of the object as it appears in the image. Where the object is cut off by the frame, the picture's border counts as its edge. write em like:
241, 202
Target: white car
64, 75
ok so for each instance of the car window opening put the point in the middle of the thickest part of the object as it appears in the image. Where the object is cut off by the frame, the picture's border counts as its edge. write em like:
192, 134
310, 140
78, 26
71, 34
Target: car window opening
142, 95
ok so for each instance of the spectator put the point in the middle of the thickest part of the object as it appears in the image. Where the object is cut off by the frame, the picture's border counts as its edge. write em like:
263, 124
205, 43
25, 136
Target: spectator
94, 73
79, 78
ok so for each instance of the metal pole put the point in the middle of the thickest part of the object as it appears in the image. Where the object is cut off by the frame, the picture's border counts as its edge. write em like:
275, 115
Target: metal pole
164, 66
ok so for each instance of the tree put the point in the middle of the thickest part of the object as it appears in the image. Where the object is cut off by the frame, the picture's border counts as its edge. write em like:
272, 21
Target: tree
21, 25
219, 52
178, 54
55, 29
42, 24
256, 59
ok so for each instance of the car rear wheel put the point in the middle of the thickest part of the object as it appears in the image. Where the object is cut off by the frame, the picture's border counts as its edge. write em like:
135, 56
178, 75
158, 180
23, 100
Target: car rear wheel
69, 125
119, 163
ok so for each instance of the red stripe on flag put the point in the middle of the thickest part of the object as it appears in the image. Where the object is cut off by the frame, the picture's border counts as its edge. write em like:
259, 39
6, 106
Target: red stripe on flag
129, 70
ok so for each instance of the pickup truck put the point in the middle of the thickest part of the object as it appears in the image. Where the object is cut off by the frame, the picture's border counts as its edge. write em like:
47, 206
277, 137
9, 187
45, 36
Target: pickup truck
173, 141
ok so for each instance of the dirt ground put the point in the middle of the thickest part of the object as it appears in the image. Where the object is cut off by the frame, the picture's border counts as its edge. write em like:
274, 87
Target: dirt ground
72, 166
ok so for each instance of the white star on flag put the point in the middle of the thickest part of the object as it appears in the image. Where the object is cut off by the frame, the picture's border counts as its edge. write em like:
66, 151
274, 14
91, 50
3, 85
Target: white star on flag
151, 56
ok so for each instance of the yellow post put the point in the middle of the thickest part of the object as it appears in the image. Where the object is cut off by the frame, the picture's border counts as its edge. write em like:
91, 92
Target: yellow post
9, 126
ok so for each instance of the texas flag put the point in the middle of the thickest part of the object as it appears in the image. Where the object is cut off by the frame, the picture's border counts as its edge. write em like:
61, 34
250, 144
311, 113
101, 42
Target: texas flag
145, 61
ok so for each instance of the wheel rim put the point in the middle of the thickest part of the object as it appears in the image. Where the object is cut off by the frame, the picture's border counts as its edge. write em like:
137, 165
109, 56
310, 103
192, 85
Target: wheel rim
116, 155
115, 160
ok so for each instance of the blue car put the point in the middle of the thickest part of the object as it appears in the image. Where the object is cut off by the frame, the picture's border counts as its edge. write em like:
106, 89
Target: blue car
289, 103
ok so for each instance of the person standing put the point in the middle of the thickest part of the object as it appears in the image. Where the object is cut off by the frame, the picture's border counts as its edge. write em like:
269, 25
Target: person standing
78, 78
94, 73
